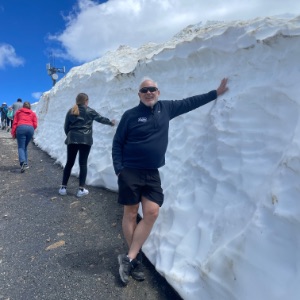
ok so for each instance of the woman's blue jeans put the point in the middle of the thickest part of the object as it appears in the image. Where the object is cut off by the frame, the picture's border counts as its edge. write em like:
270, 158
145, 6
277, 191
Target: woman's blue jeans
24, 135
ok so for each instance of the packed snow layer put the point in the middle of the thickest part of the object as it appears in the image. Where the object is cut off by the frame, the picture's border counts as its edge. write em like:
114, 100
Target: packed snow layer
229, 227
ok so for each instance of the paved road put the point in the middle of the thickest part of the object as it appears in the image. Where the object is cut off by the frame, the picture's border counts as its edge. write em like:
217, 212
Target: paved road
61, 248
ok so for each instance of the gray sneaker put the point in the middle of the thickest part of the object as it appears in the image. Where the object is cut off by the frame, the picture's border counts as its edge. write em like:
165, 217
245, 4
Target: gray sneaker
23, 165
125, 267
137, 272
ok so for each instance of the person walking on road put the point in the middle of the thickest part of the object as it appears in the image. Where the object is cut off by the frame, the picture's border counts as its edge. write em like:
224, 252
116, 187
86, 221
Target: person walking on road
78, 128
10, 117
3, 110
24, 124
138, 150
17, 105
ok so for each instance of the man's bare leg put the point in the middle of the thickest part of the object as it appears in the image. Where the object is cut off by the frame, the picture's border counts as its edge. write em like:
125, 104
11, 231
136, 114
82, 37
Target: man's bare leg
135, 235
143, 228
129, 222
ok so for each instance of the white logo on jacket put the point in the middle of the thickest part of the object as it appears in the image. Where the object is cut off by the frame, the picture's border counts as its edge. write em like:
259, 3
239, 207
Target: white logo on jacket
142, 119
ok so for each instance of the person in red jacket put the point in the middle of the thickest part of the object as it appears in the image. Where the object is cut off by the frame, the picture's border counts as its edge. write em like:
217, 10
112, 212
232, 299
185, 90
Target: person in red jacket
24, 124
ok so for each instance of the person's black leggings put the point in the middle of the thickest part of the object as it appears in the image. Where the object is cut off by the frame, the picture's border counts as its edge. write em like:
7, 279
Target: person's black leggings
84, 151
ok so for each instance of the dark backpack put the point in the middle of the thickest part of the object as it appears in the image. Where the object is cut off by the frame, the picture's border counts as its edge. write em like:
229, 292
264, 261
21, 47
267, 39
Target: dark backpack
4, 110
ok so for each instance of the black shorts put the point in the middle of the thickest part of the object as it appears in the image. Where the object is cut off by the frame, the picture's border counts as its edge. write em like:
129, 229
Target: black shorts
135, 183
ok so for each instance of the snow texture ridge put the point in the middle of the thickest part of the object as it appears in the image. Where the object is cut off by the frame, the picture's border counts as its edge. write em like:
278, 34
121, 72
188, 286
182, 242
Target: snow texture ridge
229, 227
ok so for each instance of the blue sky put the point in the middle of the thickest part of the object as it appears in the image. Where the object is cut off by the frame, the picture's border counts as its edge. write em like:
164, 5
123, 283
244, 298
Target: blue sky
68, 33
25, 27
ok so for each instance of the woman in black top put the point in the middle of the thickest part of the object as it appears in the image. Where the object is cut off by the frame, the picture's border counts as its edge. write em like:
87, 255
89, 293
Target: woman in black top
78, 128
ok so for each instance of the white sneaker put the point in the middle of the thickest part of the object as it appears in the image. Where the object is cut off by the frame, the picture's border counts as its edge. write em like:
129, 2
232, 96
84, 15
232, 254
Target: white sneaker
62, 191
81, 193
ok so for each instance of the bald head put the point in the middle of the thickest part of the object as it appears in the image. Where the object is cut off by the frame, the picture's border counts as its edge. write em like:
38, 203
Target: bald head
148, 92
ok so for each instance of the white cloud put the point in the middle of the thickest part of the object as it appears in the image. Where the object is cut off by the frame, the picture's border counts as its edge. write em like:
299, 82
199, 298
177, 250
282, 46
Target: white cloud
8, 56
94, 29
37, 95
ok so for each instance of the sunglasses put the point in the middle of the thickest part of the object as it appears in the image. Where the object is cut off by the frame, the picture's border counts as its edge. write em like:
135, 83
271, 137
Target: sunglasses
147, 89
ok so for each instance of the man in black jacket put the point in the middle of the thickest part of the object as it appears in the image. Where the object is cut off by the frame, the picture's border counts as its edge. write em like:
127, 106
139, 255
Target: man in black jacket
139, 148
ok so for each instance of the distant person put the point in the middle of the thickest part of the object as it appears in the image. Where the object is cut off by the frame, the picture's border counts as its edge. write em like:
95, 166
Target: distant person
24, 124
17, 105
4, 110
10, 117
79, 131
138, 150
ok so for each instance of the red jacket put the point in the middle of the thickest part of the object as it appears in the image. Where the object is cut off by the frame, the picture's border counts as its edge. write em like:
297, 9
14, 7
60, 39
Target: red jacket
24, 116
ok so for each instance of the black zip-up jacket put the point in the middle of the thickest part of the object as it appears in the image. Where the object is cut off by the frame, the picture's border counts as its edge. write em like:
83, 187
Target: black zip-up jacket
141, 139
79, 129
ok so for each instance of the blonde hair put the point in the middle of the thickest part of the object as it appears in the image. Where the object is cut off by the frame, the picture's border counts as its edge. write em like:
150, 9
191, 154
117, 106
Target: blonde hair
27, 105
80, 100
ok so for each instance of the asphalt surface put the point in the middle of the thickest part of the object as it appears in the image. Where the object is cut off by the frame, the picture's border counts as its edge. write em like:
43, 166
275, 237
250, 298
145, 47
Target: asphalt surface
61, 247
